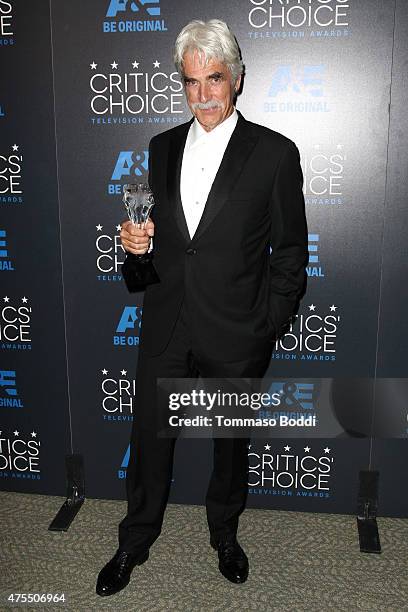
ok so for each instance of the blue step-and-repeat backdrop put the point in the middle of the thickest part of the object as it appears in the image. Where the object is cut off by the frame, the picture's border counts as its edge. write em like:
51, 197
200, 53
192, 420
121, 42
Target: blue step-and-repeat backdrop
83, 88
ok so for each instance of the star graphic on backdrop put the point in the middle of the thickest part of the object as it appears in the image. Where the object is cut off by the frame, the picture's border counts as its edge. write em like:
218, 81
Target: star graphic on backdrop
114, 65
339, 146
333, 308
16, 433
327, 450
15, 147
104, 372
312, 307
267, 447
307, 449
287, 448
123, 372
6, 299
93, 66
99, 227
119, 227
33, 434
24, 300
156, 64
135, 64
316, 146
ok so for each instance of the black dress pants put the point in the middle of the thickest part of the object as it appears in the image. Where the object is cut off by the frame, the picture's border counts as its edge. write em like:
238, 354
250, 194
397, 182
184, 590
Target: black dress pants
151, 457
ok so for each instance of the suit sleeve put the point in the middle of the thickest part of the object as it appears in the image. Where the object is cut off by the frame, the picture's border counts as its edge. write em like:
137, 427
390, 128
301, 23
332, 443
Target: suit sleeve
289, 256
150, 163
150, 181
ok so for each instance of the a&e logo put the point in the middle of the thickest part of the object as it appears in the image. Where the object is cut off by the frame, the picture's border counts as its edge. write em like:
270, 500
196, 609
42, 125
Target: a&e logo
129, 164
128, 328
297, 89
122, 14
297, 399
5, 261
314, 268
124, 464
294, 395
8, 390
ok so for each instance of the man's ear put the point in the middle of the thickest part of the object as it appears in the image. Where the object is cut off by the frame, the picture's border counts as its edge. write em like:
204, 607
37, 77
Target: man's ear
237, 84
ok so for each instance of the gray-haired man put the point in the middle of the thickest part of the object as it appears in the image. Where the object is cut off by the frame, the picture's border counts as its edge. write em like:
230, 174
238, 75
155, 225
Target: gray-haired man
225, 190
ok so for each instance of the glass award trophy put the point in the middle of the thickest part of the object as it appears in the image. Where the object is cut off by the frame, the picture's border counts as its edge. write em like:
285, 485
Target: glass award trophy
138, 270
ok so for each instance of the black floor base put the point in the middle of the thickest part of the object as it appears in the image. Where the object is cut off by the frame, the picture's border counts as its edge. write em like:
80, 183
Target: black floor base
367, 512
75, 494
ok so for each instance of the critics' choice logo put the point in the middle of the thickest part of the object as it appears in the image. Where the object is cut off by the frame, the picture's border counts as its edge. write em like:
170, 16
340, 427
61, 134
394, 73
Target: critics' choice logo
20, 455
6, 23
127, 94
298, 18
323, 174
110, 254
118, 395
11, 191
134, 16
9, 397
311, 337
292, 473
128, 328
15, 324
128, 165
6, 264
297, 89
314, 268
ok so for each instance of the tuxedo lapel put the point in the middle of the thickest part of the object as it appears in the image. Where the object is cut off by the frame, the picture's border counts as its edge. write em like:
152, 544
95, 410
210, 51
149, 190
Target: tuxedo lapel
237, 152
175, 158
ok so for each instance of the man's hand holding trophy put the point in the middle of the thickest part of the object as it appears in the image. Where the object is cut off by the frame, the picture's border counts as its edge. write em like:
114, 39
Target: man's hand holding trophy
138, 269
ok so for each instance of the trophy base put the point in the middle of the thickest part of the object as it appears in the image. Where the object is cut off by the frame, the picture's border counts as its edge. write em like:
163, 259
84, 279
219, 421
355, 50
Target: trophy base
139, 272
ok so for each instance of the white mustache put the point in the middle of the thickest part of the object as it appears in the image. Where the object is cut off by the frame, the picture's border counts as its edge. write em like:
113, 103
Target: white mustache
206, 105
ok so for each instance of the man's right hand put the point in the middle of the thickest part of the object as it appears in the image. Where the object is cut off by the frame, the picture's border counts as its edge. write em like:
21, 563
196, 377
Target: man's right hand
135, 240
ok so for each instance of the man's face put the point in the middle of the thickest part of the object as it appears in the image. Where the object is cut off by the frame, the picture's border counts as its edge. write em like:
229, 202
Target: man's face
209, 89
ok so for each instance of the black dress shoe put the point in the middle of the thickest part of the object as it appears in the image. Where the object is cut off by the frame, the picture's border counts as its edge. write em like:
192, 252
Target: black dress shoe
233, 562
116, 573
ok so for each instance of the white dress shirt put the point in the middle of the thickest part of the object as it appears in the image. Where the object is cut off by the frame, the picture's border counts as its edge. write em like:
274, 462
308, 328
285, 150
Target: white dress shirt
202, 157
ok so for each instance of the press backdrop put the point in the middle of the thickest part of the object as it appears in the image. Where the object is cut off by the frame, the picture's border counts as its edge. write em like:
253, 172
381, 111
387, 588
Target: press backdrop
84, 86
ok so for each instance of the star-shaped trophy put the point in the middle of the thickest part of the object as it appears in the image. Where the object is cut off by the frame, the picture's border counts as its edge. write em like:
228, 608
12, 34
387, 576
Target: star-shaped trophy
138, 270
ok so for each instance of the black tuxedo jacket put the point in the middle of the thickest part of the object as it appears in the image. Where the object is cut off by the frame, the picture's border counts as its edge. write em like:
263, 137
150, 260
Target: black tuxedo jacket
239, 294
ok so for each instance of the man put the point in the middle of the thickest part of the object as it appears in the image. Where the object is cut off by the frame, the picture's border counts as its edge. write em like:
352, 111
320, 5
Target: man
225, 191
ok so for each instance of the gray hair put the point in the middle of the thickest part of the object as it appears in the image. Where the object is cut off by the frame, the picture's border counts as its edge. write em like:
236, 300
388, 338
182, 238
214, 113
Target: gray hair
212, 38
